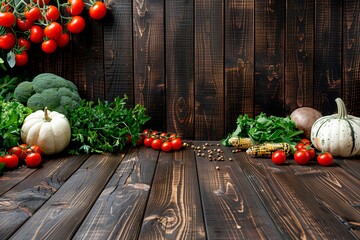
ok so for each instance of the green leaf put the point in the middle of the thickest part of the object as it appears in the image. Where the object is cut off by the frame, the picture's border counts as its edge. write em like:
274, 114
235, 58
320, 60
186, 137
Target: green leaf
2, 165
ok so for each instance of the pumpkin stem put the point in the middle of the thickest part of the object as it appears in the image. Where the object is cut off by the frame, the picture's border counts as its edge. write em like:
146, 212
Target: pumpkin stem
342, 113
46, 115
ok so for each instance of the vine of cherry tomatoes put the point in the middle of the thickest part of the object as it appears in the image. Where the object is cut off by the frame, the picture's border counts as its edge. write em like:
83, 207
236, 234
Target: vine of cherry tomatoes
48, 23
303, 154
30, 155
163, 141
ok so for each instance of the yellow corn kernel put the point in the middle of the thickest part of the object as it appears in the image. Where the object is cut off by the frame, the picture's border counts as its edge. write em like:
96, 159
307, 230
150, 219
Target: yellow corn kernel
241, 143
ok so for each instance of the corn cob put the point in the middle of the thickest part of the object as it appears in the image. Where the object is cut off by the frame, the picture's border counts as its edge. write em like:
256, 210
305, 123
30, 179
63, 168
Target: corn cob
267, 149
240, 143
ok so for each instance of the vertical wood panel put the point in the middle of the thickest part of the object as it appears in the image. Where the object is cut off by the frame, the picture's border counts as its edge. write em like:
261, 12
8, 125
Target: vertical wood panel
119, 79
239, 61
149, 59
327, 62
269, 56
351, 51
180, 67
299, 55
209, 86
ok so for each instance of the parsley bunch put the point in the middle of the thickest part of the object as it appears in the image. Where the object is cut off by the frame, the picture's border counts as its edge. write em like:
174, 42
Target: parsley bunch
105, 126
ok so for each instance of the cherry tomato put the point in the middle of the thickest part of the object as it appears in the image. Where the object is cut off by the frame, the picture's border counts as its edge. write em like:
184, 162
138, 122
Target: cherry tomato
76, 7
310, 150
33, 14
172, 136
49, 46
166, 146
148, 141
146, 131
176, 144
98, 10
7, 41
278, 157
301, 157
325, 159
33, 149
18, 151
305, 141
53, 30
156, 144
7, 19
52, 13
41, 3
76, 25
24, 24
36, 34
33, 159
63, 40
21, 59
23, 44
299, 146
163, 134
11, 161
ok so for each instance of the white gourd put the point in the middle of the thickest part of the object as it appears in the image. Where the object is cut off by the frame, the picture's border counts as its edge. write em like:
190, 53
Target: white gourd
49, 130
337, 133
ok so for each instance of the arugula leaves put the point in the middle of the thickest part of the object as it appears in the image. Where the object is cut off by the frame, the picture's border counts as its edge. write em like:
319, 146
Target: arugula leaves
11, 118
105, 126
266, 129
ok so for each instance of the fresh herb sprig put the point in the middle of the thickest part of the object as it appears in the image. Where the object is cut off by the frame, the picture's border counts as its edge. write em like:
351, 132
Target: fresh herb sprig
265, 128
105, 126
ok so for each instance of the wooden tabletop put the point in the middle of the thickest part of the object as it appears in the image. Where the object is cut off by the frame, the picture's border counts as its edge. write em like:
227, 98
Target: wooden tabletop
146, 194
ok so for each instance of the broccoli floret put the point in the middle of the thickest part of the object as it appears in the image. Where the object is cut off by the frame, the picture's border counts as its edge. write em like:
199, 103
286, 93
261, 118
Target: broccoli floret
23, 91
51, 91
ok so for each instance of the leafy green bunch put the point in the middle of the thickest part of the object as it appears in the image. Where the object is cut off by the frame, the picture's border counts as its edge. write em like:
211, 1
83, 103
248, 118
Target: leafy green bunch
265, 128
105, 126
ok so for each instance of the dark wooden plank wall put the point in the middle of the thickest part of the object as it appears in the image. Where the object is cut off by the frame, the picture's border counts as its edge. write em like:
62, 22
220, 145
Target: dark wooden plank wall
197, 65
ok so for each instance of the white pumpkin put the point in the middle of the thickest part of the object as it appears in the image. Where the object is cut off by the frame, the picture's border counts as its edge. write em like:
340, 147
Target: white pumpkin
49, 130
338, 134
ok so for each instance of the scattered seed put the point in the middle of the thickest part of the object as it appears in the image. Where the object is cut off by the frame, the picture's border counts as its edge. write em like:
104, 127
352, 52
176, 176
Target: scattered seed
217, 167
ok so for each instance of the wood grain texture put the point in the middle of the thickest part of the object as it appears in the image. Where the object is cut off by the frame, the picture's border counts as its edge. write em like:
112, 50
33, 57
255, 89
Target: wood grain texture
239, 61
23, 200
209, 69
231, 208
296, 210
269, 57
174, 209
12, 178
149, 46
299, 55
327, 62
351, 56
118, 212
62, 214
179, 67
118, 53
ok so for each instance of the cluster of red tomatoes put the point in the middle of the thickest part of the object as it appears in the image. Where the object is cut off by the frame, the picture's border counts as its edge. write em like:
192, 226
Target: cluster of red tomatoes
164, 141
41, 22
303, 154
31, 155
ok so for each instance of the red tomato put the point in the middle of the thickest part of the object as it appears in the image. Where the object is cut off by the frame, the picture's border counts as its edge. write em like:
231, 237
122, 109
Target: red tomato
156, 144
76, 25
305, 141
325, 159
166, 146
63, 40
7, 19
33, 159
176, 144
41, 3
278, 157
52, 13
310, 150
301, 157
53, 30
148, 141
76, 7
33, 14
163, 134
21, 59
36, 34
24, 24
299, 146
33, 149
49, 46
7, 41
11, 161
18, 151
98, 10
146, 131
172, 136
23, 44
